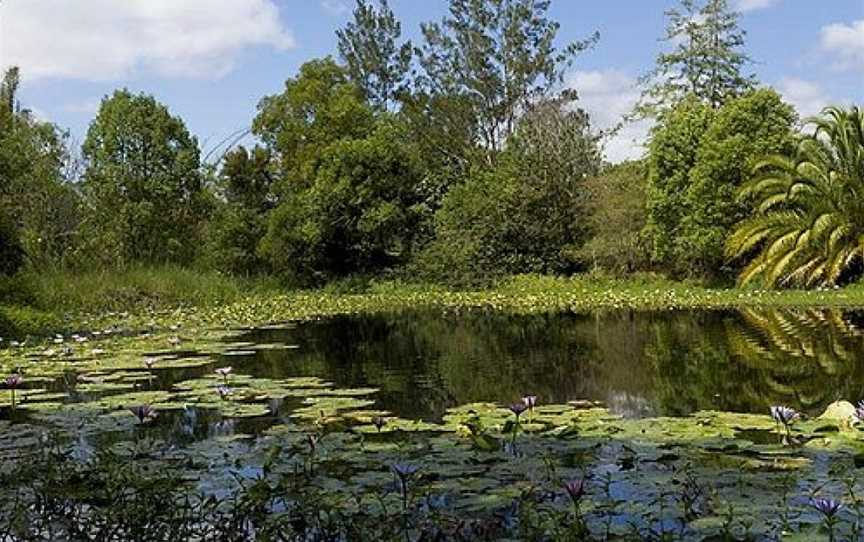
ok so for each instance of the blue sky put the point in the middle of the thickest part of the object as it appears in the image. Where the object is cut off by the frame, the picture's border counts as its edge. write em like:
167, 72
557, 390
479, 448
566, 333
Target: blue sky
211, 61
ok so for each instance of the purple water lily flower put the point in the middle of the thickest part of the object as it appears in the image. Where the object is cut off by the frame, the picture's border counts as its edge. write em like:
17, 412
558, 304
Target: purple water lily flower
859, 412
404, 471
518, 409
827, 507
12, 382
576, 489
530, 401
379, 422
224, 391
784, 415
144, 413
224, 372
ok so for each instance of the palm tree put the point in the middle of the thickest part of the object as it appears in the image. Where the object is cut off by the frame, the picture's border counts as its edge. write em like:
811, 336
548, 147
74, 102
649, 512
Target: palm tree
808, 227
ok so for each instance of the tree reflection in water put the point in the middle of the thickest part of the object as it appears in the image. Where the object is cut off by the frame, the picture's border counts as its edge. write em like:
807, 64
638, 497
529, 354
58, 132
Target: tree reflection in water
637, 363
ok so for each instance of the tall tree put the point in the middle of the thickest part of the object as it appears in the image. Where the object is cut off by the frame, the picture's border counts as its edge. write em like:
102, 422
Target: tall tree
707, 59
369, 46
39, 206
346, 178
143, 186
499, 56
699, 158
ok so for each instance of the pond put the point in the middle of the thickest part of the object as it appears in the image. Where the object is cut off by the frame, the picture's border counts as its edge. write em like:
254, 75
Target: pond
633, 402
635, 363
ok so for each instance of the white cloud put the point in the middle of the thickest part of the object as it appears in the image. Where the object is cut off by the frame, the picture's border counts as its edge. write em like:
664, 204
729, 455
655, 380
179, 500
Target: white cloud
608, 96
335, 7
112, 39
847, 42
808, 97
753, 5
86, 107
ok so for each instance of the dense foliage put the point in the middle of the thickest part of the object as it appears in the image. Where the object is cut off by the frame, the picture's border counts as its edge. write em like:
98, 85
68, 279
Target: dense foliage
699, 158
808, 228
616, 200
38, 208
461, 158
143, 184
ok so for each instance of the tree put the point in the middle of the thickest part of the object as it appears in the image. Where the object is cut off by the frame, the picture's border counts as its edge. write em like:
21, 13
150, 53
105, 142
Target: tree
346, 179
698, 159
525, 215
317, 108
358, 214
742, 132
374, 60
142, 184
499, 56
240, 218
706, 61
615, 217
672, 153
808, 228
39, 207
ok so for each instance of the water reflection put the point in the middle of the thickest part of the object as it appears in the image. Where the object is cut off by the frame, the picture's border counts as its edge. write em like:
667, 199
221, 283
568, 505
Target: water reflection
638, 363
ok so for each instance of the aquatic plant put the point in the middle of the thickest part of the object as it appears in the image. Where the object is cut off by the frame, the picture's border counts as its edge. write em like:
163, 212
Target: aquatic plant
530, 401
379, 422
13, 382
404, 472
859, 412
829, 508
785, 416
576, 489
224, 372
144, 413
224, 391
518, 409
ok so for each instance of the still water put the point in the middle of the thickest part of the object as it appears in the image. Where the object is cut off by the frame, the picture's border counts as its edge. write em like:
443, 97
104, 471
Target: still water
636, 363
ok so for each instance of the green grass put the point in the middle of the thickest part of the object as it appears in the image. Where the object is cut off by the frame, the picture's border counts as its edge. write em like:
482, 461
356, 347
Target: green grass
53, 301
138, 289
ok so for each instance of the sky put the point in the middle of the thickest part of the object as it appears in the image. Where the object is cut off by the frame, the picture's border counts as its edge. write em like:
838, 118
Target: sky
211, 61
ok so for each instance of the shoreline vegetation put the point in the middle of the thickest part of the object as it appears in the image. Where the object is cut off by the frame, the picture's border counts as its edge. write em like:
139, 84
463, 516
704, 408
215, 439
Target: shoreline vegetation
60, 302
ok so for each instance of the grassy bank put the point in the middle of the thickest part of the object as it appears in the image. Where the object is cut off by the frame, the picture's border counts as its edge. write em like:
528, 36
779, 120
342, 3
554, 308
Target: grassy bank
37, 303
48, 302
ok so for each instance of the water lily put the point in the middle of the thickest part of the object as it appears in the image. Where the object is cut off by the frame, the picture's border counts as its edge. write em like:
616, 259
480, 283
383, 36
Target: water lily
859, 412
149, 362
530, 401
518, 409
785, 416
312, 439
224, 372
224, 391
827, 507
144, 413
13, 382
379, 422
575, 489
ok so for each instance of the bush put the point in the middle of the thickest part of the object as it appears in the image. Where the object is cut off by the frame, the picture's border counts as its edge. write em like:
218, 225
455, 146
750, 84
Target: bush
527, 214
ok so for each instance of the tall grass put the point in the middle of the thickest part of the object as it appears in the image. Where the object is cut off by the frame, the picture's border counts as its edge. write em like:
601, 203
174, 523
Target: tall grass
137, 289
